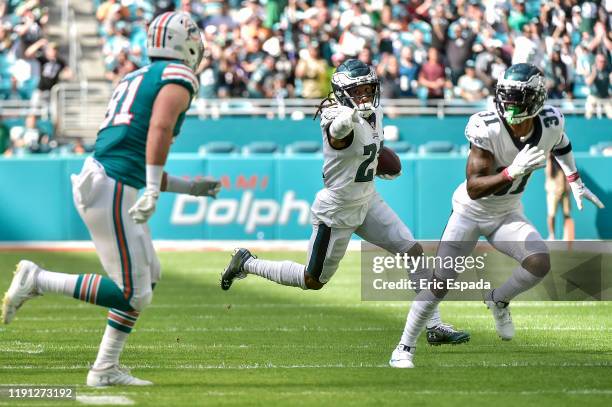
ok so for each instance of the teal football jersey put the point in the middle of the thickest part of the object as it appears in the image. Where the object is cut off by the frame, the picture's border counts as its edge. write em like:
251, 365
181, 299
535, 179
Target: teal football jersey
122, 137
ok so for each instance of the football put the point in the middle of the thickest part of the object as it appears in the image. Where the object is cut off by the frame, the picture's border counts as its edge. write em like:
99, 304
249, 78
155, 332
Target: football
388, 162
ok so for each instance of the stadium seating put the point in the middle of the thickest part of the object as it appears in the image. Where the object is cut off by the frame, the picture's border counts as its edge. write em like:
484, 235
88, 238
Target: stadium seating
260, 147
218, 147
399, 147
437, 147
303, 147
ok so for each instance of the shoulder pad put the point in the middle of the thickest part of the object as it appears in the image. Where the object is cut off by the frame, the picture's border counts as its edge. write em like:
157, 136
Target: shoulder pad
552, 117
481, 127
180, 74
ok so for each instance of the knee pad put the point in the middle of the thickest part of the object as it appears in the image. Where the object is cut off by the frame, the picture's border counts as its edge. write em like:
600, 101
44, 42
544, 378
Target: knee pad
140, 301
537, 264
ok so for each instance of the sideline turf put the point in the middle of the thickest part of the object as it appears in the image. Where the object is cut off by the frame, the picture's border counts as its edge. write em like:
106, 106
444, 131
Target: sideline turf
263, 344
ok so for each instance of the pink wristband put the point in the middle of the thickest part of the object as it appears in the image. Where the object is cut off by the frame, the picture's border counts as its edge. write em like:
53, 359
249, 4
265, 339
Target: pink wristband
573, 177
507, 175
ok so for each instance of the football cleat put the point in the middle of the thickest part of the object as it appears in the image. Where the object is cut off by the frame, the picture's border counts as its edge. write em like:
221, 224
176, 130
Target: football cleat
235, 268
445, 334
502, 317
402, 357
113, 376
22, 288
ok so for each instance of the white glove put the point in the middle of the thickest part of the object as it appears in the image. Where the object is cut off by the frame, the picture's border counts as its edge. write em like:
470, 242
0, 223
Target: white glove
579, 190
344, 122
205, 186
527, 160
389, 177
144, 206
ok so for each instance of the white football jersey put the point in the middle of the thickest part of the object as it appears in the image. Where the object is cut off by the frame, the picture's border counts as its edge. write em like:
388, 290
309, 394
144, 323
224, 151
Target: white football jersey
486, 130
348, 173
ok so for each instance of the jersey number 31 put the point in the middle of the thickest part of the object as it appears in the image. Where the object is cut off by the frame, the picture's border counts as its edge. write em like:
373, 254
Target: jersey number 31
123, 116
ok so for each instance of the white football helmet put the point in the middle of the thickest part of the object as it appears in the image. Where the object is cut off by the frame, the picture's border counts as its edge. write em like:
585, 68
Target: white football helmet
174, 35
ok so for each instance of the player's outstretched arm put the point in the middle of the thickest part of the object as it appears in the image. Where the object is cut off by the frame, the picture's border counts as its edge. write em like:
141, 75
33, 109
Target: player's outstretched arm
479, 170
565, 157
171, 101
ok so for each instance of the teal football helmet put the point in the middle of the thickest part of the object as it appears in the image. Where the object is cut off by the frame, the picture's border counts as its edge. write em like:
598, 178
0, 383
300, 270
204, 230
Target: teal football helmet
520, 93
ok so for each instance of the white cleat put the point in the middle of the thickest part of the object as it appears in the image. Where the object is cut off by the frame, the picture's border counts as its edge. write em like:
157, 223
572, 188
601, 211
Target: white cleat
113, 376
402, 357
503, 319
22, 288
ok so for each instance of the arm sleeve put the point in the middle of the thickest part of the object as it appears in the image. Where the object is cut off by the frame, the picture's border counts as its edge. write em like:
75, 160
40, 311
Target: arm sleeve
564, 156
181, 75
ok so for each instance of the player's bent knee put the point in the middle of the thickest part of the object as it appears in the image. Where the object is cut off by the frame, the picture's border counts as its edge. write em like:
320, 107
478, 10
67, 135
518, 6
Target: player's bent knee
416, 250
140, 301
312, 283
537, 264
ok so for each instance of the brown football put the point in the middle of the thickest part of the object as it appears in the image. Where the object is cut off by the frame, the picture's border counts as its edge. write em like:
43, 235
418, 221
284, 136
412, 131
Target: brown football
388, 162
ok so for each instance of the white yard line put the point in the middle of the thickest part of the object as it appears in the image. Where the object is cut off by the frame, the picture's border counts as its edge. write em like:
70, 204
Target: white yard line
270, 365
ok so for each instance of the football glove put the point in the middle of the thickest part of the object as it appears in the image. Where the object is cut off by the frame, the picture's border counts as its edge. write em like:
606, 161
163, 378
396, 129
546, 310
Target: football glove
205, 186
389, 177
526, 161
344, 122
579, 190
144, 207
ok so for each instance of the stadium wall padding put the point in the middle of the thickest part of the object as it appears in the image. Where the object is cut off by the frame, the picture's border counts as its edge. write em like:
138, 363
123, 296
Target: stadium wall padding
415, 130
268, 197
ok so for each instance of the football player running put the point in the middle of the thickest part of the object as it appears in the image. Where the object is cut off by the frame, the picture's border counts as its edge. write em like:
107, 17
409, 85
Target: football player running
146, 111
352, 133
507, 145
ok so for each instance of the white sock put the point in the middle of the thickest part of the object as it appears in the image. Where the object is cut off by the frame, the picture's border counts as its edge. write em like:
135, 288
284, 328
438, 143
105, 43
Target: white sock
60, 283
416, 277
435, 319
521, 280
111, 347
282, 272
421, 310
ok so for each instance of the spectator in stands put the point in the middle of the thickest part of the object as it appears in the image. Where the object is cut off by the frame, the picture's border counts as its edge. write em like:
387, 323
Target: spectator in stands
528, 47
5, 138
518, 17
52, 67
123, 65
470, 88
27, 135
409, 73
598, 81
459, 49
311, 69
556, 193
558, 76
431, 76
388, 72
260, 82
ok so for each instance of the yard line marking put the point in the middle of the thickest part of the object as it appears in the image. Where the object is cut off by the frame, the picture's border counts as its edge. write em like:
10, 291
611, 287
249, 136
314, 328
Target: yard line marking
365, 305
105, 400
270, 365
241, 329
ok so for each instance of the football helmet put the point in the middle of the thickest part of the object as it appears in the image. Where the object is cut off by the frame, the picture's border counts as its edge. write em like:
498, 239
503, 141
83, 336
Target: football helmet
174, 35
349, 76
520, 93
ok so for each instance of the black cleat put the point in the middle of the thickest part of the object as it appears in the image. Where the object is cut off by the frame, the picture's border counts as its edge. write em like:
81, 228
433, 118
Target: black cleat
235, 268
445, 334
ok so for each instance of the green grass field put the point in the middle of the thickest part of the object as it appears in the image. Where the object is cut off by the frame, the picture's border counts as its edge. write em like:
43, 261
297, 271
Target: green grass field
264, 344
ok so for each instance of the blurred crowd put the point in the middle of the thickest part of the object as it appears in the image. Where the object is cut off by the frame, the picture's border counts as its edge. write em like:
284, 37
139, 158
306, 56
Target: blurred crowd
30, 64
421, 48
